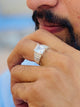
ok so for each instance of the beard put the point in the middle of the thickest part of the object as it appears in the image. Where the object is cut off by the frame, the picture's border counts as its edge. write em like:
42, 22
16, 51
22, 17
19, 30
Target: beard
51, 18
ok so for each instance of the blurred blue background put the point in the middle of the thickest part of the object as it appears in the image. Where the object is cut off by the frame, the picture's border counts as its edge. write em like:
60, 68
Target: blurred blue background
15, 23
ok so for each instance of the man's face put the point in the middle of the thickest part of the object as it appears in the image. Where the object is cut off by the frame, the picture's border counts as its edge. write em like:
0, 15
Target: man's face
60, 17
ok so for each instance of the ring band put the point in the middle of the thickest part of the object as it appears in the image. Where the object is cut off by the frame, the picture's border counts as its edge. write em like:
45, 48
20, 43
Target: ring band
39, 51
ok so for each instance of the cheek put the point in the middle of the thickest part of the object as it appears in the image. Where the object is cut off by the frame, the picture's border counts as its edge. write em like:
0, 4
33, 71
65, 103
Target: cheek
73, 6
73, 9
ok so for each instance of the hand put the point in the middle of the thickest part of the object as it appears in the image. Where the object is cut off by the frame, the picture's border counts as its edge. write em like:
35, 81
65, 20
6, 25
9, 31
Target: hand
44, 87
58, 80
58, 50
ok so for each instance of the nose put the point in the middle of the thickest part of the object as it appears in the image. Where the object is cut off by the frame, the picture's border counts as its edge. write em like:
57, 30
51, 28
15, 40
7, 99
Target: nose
34, 4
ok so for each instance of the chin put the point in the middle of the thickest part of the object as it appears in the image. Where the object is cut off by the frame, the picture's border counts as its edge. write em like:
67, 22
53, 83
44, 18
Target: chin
63, 35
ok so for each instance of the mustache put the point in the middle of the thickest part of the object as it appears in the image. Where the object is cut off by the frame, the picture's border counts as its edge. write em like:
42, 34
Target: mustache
50, 17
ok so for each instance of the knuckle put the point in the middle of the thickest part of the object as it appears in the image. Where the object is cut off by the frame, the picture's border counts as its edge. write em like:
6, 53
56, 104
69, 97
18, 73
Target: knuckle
15, 69
19, 45
16, 90
17, 52
13, 89
22, 44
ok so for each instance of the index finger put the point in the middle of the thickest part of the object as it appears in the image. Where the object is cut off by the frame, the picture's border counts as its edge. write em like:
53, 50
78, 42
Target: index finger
43, 36
23, 50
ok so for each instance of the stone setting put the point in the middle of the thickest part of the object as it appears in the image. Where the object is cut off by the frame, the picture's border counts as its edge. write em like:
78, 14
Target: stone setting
38, 52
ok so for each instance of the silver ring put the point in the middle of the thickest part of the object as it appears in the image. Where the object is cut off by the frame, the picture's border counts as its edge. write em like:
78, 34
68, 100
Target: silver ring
38, 52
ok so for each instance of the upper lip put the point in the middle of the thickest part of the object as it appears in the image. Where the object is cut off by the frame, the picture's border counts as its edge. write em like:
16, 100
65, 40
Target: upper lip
42, 22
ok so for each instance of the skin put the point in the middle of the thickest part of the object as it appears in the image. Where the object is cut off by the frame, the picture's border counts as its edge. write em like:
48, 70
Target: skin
69, 9
56, 82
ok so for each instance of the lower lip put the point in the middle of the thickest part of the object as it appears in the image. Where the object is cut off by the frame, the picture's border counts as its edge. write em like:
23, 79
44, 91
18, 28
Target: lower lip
52, 29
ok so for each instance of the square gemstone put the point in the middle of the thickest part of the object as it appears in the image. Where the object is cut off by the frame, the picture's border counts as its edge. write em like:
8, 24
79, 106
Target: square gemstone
39, 49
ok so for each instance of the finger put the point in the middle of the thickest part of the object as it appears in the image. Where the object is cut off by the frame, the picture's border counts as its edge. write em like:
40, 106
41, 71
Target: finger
23, 50
45, 37
57, 60
22, 91
23, 73
26, 94
26, 51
